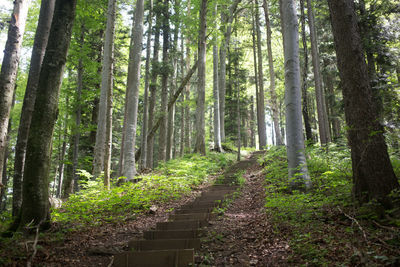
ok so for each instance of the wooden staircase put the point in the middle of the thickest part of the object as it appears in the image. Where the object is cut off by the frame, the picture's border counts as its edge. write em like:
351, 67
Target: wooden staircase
173, 243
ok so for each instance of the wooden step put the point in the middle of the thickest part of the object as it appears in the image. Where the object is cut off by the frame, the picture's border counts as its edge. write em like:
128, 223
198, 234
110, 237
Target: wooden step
181, 225
217, 193
164, 258
187, 211
163, 244
189, 216
218, 187
202, 205
172, 234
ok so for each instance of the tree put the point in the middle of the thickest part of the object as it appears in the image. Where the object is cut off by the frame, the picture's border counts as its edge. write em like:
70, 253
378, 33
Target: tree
274, 103
9, 69
143, 155
262, 132
200, 145
298, 172
162, 144
217, 124
227, 20
105, 95
133, 84
35, 204
373, 176
324, 133
38, 50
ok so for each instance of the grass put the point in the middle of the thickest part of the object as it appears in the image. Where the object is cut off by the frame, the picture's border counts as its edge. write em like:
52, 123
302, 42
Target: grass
323, 226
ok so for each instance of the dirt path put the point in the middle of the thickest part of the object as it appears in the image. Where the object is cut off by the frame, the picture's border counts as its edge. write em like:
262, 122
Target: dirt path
242, 236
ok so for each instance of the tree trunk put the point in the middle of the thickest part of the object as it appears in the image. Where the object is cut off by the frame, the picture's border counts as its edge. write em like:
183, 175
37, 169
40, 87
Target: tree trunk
153, 85
78, 111
200, 146
262, 132
305, 111
253, 33
133, 84
373, 176
183, 126
106, 83
298, 172
143, 142
162, 143
171, 113
39, 46
274, 104
252, 126
35, 205
217, 124
319, 93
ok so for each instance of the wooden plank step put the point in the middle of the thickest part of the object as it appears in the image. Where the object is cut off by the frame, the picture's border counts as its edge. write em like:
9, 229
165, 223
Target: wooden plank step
162, 244
189, 216
218, 187
187, 211
217, 193
181, 225
172, 234
208, 198
201, 205
164, 258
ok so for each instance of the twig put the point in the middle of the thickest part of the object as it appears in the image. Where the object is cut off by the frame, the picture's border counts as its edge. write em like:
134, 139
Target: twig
34, 246
112, 261
356, 222
384, 227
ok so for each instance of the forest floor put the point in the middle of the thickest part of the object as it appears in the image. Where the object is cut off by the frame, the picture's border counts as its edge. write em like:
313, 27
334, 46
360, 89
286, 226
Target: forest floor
241, 236
244, 234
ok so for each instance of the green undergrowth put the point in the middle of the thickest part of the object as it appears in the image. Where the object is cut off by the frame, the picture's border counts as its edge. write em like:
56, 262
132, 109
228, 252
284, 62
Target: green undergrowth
94, 205
323, 226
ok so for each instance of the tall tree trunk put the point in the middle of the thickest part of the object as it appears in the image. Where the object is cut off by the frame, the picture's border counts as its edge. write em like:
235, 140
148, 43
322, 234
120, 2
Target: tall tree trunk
183, 126
129, 169
200, 146
162, 143
324, 133
78, 111
304, 86
171, 113
253, 33
217, 124
373, 176
106, 83
39, 46
298, 172
35, 205
8, 77
274, 103
227, 29
262, 131
143, 142
153, 85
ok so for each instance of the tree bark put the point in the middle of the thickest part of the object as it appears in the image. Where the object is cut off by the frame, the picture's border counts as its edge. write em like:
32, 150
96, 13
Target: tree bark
253, 33
324, 134
162, 143
262, 131
9, 69
304, 86
143, 142
35, 205
153, 86
274, 104
298, 172
38, 49
106, 83
133, 84
252, 126
171, 113
373, 176
227, 29
200, 146
217, 124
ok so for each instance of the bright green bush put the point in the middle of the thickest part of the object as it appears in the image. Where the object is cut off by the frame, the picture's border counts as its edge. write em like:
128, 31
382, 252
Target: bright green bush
94, 205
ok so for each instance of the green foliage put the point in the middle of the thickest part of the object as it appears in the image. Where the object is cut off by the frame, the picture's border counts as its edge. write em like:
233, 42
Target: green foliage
94, 205
317, 223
